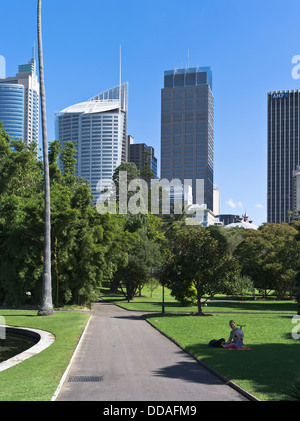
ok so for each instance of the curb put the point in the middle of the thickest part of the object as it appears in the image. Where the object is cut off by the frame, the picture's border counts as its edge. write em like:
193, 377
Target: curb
54, 397
43, 340
224, 379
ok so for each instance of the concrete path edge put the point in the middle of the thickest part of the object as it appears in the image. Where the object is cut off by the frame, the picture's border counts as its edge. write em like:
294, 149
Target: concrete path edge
227, 381
54, 397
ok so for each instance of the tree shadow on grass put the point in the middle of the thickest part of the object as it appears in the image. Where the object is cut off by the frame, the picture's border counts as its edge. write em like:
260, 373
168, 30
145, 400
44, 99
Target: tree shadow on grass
258, 306
269, 368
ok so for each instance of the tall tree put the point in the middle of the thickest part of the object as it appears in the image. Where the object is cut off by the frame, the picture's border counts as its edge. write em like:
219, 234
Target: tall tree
46, 307
270, 257
198, 266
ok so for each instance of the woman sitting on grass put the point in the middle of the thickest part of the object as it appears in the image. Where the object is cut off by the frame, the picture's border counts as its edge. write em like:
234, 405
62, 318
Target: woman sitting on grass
236, 337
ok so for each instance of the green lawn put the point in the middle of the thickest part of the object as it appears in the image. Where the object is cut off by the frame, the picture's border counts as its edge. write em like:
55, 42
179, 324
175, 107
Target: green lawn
37, 378
266, 371
220, 304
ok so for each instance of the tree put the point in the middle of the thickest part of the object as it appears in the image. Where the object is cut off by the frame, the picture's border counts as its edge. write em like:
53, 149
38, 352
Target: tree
198, 265
21, 228
270, 256
132, 174
143, 256
81, 237
86, 246
46, 307
141, 249
68, 158
54, 151
147, 174
297, 278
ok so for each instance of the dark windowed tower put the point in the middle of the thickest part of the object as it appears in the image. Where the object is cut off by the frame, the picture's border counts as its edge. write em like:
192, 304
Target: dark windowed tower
283, 152
141, 155
187, 128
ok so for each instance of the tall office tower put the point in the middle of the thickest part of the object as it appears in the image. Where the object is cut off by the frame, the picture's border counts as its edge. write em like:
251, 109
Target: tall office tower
12, 109
283, 152
142, 155
26, 77
187, 129
99, 128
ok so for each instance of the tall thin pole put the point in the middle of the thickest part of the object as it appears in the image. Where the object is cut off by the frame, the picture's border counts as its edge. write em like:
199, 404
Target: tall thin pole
120, 76
46, 307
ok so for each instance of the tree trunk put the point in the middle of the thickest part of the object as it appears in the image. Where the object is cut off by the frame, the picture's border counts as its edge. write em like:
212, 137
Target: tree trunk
199, 305
46, 307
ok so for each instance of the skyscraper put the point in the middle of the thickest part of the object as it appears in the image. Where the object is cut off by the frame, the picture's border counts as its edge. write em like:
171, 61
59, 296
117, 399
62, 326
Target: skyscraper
187, 128
283, 152
142, 155
10, 89
99, 128
12, 109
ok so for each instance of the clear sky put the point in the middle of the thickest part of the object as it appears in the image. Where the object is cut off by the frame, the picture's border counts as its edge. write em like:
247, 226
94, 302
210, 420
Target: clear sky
249, 45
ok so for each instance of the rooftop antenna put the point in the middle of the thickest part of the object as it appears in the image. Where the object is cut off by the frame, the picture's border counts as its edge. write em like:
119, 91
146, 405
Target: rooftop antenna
120, 74
188, 58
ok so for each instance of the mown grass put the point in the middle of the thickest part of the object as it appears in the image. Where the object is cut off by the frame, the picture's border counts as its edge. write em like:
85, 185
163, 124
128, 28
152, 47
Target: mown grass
37, 378
223, 304
266, 371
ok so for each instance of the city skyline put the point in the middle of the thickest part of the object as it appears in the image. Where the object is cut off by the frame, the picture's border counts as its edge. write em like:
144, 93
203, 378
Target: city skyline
249, 47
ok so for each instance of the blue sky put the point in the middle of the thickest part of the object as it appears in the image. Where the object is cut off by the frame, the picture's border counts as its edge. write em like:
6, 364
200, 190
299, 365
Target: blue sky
248, 44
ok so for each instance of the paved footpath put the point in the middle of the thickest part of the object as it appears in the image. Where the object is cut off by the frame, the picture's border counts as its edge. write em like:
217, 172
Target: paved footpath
132, 361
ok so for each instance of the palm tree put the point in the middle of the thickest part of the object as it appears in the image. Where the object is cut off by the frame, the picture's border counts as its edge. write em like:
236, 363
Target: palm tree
46, 307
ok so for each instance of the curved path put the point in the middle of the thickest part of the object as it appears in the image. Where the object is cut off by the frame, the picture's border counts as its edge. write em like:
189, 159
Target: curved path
123, 358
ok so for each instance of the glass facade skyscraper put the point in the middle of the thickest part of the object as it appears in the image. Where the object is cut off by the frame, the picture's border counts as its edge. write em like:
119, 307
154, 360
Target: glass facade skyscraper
283, 152
12, 109
187, 128
26, 77
99, 128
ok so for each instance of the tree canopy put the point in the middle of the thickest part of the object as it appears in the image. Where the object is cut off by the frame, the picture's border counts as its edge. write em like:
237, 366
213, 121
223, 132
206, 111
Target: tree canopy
270, 256
198, 266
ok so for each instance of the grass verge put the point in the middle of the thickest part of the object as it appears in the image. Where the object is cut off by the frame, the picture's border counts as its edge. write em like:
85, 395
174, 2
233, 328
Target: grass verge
266, 371
37, 378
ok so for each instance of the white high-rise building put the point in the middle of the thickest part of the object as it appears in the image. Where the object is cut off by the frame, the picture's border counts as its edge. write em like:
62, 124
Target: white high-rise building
99, 128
